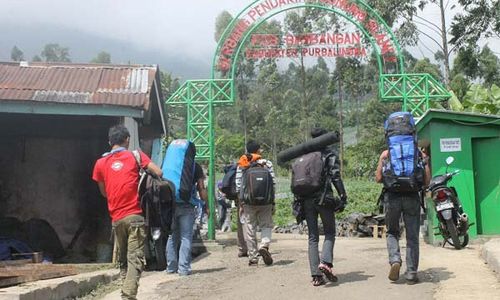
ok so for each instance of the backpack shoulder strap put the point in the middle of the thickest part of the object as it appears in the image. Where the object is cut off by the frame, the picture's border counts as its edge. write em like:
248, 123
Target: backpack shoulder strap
137, 157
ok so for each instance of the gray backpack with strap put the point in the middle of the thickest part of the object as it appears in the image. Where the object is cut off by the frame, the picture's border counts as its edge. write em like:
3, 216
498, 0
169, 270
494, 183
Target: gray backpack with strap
308, 176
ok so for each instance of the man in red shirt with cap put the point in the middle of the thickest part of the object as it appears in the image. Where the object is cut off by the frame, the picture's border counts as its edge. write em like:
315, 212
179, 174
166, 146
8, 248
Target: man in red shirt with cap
117, 175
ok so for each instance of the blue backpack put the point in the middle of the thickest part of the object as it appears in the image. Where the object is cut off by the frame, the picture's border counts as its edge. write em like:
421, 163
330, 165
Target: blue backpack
403, 170
179, 168
228, 185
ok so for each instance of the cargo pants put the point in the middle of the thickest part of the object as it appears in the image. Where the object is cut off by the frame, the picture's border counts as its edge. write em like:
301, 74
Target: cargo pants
253, 216
130, 236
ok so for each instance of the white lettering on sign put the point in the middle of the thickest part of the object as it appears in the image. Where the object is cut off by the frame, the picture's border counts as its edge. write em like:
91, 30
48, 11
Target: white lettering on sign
450, 145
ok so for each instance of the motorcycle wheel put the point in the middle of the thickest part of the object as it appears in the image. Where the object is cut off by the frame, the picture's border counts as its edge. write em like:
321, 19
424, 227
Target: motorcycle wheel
453, 240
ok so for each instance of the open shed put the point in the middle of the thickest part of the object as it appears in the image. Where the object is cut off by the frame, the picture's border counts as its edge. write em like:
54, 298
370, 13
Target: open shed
54, 120
474, 141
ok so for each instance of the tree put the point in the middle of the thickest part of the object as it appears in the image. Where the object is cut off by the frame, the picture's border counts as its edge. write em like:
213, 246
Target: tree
102, 57
55, 53
480, 19
221, 22
475, 64
425, 66
444, 52
489, 67
36, 58
460, 85
16, 54
398, 14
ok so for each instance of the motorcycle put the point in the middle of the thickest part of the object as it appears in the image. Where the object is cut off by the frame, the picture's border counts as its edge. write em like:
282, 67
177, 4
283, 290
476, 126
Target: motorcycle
453, 221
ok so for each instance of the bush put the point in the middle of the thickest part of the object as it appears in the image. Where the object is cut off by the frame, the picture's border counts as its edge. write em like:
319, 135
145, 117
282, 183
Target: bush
362, 195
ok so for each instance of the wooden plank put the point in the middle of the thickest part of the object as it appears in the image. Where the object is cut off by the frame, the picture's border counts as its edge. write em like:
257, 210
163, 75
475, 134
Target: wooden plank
12, 275
10, 280
14, 262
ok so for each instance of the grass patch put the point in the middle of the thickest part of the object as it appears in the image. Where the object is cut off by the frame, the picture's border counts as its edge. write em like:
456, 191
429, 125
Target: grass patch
362, 197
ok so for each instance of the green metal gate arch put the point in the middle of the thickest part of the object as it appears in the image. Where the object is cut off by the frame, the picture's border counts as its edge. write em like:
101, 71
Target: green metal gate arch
201, 96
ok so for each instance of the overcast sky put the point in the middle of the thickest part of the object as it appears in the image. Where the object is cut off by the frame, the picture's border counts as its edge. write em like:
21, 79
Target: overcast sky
173, 27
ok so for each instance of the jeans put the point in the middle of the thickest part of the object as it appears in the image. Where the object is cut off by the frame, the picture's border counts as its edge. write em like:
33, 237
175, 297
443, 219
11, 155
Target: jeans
253, 216
327, 215
130, 236
179, 243
408, 205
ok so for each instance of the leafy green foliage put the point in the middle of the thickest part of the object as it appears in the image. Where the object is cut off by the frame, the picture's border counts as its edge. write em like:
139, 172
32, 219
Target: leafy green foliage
480, 19
221, 22
362, 196
102, 57
55, 53
16, 54
425, 66
478, 99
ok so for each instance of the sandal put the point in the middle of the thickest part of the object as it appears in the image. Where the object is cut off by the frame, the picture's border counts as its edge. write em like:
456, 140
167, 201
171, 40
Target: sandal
328, 272
318, 280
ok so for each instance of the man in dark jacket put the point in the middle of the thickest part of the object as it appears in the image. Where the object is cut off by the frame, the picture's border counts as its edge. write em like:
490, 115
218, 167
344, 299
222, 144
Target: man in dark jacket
323, 204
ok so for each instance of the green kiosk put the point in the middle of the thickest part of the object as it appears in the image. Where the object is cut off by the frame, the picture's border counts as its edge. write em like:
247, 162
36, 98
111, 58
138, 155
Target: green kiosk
474, 141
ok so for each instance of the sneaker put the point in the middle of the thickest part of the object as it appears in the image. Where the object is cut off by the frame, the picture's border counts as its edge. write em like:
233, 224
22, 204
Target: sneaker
266, 256
318, 280
394, 272
253, 262
328, 272
411, 278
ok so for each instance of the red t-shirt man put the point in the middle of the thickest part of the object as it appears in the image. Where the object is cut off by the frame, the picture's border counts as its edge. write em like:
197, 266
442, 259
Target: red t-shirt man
119, 171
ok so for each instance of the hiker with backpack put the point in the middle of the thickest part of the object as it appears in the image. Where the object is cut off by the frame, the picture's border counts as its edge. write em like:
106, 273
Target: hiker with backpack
255, 183
187, 175
117, 177
313, 175
229, 189
224, 208
404, 172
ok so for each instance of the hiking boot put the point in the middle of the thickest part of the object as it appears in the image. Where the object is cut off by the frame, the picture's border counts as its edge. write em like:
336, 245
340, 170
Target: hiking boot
394, 272
253, 262
266, 256
411, 278
327, 270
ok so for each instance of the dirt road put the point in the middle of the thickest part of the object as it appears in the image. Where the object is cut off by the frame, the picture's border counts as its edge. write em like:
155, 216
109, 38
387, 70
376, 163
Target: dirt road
361, 265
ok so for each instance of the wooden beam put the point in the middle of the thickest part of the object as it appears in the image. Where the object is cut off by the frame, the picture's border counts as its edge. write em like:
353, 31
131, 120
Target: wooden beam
44, 108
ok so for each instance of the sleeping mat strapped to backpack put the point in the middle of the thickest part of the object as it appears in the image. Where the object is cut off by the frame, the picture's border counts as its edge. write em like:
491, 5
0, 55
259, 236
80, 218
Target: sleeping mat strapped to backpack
178, 167
403, 170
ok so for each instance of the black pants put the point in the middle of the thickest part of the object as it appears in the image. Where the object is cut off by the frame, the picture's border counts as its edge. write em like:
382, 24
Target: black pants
327, 215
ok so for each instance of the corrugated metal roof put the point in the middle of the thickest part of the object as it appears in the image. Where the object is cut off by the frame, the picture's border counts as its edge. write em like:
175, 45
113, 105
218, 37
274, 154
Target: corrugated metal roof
123, 85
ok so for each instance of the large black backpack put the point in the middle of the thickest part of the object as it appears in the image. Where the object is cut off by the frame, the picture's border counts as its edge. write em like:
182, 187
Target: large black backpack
403, 170
229, 182
257, 186
308, 174
157, 199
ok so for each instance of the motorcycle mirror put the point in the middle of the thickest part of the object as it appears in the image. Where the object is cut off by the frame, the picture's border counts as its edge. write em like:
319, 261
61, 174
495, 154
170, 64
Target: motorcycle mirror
450, 160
